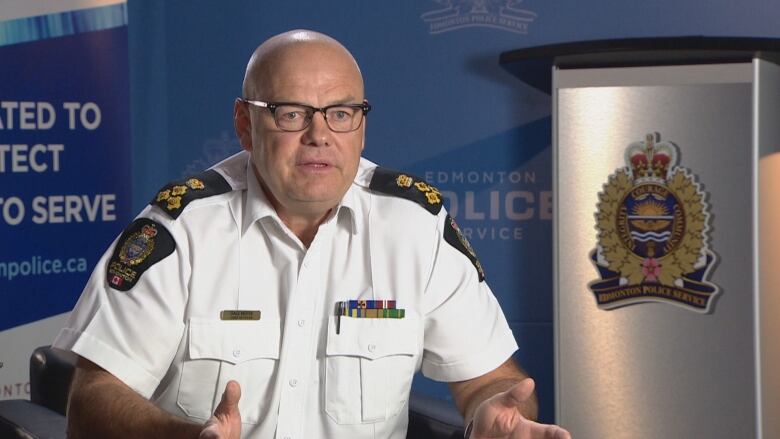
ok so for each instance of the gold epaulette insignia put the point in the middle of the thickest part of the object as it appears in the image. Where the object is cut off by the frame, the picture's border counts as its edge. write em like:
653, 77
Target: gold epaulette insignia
407, 186
175, 196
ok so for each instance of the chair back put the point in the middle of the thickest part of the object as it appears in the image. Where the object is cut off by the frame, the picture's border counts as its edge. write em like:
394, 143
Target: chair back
51, 371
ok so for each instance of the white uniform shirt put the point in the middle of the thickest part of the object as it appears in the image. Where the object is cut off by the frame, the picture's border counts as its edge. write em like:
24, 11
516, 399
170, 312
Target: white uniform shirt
299, 378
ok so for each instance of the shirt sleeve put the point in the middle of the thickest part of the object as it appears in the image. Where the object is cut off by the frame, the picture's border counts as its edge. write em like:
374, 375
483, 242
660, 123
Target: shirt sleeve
466, 333
133, 334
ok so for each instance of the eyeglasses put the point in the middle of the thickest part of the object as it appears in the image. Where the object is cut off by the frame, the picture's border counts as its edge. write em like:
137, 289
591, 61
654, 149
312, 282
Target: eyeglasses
289, 116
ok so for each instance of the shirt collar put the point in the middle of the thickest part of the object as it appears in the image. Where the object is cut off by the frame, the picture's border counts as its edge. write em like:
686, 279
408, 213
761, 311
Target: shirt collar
350, 203
257, 206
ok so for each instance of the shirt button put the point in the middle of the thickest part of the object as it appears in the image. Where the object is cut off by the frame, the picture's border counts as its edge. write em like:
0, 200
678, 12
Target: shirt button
293, 382
236, 353
301, 322
371, 348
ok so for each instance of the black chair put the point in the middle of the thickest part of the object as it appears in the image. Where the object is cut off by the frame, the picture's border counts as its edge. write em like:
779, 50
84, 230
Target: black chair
431, 417
51, 370
43, 416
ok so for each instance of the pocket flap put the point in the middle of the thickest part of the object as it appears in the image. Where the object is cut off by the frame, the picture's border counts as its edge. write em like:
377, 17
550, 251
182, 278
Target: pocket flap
234, 341
373, 338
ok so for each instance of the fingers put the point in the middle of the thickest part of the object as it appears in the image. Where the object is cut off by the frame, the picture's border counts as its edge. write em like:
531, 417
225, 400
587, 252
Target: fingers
556, 432
232, 393
226, 421
562, 434
518, 394
210, 430
229, 403
536, 430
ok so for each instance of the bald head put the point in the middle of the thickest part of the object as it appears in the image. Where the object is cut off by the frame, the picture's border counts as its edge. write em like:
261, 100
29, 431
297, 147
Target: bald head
299, 49
304, 173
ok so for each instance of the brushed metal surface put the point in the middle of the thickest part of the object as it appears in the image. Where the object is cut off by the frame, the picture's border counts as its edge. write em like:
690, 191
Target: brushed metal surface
654, 75
655, 370
767, 137
769, 303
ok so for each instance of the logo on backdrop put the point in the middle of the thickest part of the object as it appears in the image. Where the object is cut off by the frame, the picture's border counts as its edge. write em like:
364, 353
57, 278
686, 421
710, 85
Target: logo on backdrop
497, 14
507, 201
652, 224
214, 150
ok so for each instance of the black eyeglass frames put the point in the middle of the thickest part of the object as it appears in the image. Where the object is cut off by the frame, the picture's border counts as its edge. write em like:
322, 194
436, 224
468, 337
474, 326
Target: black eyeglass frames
291, 116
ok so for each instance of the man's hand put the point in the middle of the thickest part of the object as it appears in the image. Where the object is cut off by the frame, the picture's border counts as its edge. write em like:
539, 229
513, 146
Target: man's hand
226, 421
498, 417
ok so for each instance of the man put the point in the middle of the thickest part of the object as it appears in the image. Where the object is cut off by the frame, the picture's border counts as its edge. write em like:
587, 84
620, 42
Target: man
306, 282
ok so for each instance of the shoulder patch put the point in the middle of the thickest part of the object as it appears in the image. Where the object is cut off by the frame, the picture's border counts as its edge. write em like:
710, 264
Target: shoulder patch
175, 196
406, 186
143, 244
454, 236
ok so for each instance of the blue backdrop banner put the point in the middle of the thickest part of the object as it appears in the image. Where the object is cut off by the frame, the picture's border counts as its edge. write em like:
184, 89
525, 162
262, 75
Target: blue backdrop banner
65, 184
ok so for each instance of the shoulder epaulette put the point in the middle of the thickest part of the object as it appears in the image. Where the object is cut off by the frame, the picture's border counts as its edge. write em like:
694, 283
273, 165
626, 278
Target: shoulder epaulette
175, 196
454, 236
406, 186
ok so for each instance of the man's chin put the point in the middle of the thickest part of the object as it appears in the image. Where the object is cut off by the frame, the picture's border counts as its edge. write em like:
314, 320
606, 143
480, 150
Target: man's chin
316, 202
318, 193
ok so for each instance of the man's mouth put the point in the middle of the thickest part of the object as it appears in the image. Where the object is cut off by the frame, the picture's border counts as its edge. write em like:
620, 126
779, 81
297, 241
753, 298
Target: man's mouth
315, 164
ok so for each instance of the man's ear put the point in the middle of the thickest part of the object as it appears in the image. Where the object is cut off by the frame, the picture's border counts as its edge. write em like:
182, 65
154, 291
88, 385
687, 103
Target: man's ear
363, 137
242, 123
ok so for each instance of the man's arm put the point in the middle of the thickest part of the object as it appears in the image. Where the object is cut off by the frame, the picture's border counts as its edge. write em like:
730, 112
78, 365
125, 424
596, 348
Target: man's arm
501, 405
100, 405
469, 394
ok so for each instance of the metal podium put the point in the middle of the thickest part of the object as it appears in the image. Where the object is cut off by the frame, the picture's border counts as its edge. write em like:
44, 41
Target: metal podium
666, 233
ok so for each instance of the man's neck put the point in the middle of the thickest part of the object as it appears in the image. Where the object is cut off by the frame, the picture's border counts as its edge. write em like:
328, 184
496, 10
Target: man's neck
303, 223
304, 227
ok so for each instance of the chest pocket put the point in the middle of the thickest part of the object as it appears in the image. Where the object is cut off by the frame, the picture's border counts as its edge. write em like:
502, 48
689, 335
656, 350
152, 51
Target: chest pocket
220, 351
369, 367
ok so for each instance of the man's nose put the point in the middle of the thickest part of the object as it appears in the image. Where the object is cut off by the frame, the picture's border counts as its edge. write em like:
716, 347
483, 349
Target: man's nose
317, 133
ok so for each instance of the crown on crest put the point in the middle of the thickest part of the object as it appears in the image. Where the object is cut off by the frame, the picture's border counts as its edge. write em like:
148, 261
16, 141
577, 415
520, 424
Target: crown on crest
149, 231
651, 160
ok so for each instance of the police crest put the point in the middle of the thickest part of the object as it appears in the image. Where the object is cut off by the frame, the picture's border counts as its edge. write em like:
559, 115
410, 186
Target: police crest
652, 224
144, 243
138, 246
454, 236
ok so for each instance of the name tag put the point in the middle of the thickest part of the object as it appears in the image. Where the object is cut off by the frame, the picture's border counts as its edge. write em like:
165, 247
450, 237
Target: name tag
236, 314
